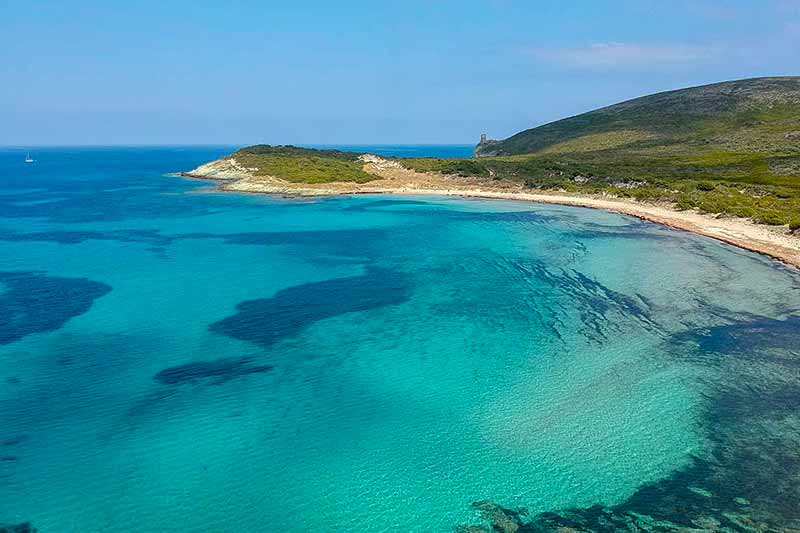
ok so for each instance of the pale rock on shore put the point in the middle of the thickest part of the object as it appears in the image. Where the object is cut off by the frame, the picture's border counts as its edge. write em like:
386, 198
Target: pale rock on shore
222, 169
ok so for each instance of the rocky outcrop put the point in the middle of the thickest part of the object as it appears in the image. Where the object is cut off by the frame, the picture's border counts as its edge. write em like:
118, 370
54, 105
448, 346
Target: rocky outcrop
377, 163
221, 169
487, 148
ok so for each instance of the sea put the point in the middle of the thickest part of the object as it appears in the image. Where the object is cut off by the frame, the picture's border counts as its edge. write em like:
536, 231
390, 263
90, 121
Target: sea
178, 359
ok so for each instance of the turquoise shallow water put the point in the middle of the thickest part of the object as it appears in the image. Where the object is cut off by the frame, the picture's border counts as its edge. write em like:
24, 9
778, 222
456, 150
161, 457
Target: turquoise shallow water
177, 359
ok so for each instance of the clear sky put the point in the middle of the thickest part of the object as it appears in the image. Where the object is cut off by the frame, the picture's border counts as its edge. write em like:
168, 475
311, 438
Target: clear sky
326, 71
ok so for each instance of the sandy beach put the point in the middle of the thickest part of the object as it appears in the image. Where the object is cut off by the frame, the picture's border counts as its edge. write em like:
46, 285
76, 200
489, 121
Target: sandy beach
773, 241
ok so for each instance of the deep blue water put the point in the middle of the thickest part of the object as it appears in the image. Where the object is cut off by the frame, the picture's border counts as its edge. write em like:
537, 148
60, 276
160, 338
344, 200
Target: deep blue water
173, 358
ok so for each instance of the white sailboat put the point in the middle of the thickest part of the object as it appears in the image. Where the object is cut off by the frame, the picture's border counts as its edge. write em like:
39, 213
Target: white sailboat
28, 158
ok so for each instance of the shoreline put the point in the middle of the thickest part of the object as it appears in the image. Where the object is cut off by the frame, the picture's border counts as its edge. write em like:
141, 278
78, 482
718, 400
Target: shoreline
734, 232
397, 180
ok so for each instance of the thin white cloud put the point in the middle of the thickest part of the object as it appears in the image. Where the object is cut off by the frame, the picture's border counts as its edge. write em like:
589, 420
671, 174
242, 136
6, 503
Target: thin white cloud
614, 54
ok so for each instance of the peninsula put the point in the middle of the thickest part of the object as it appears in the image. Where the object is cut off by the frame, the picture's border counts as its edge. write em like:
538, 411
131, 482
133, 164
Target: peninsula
720, 160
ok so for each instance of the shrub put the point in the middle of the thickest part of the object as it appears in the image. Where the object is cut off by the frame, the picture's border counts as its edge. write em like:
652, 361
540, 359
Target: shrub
771, 218
684, 202
742, 211
794, 224
705, 186
647, 193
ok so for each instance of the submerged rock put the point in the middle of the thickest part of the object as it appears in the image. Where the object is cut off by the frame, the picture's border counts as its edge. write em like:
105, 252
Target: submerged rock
597, 518
701, 491
613, 520
220, 369
501, 520
19, 528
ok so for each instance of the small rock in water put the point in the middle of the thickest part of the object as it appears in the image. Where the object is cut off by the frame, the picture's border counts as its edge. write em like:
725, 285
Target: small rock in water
745, 523
742, 501
701, 491
707, 523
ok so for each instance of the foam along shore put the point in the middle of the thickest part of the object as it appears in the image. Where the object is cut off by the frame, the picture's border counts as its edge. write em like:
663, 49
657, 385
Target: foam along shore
393, 178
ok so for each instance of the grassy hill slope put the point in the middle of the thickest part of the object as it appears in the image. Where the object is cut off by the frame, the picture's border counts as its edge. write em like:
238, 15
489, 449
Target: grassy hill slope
752, 115
730, 148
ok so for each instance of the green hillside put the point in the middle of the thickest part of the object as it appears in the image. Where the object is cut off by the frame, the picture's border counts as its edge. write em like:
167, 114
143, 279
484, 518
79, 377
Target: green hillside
730, 148
752, 115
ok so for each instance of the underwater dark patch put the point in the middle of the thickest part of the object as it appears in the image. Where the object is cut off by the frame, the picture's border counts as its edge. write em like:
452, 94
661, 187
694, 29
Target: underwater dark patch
25, 527
746, 338
34, 302
152, 237
268, 320
274, 238
14, 441
389, 203
220, 370
600, 307
691, 500
84, 203
363, 244
442, 214
501, 216
514, 217
750, 479
624, 233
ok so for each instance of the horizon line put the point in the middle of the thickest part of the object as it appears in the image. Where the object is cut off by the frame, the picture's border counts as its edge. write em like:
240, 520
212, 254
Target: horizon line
221, 145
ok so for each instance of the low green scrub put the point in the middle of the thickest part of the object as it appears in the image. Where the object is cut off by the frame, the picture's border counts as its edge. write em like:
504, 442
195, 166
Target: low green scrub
303, 165
713, 181
297, 151
709, 180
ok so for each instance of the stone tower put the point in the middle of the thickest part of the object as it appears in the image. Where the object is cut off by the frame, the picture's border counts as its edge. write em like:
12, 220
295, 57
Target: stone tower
483, 138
